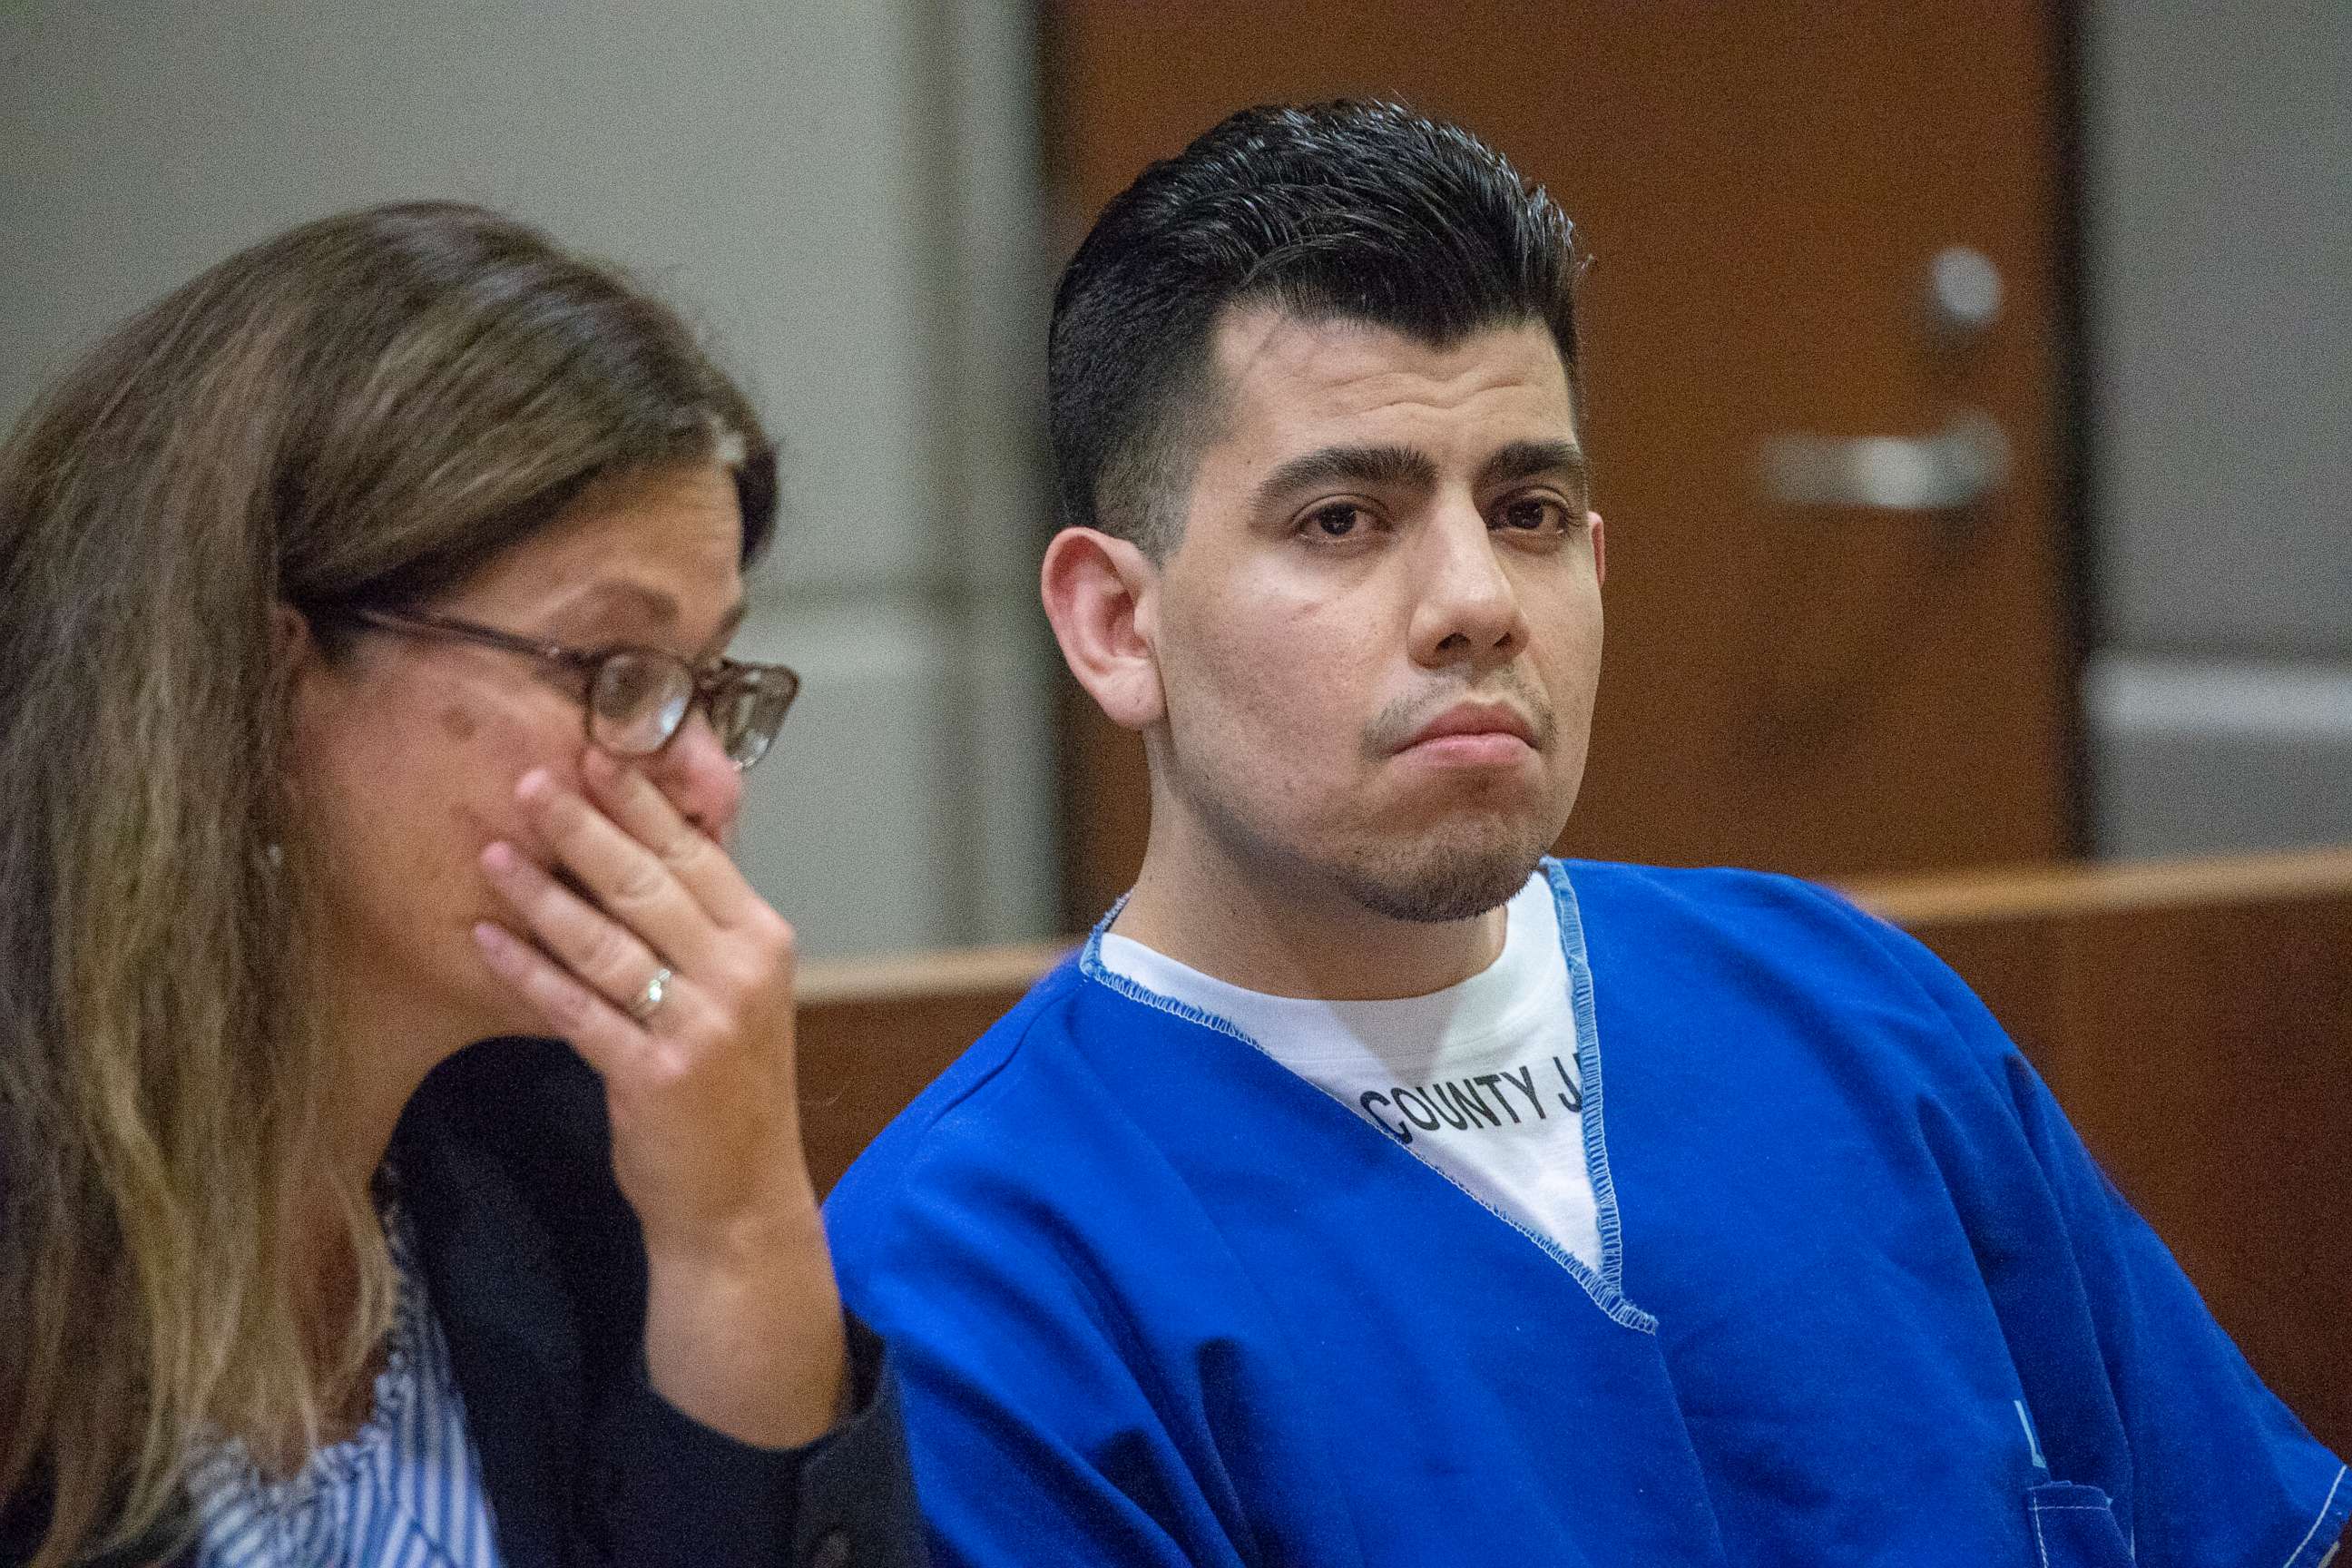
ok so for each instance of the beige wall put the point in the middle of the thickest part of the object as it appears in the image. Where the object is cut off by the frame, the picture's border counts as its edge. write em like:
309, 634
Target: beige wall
2218, 225
845, 191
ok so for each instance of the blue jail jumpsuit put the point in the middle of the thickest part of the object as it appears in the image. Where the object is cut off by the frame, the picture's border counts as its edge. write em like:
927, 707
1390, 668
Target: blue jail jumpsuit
1865, 1299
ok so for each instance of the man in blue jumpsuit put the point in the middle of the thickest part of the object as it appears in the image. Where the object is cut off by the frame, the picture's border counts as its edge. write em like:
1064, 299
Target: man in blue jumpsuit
1372, 1190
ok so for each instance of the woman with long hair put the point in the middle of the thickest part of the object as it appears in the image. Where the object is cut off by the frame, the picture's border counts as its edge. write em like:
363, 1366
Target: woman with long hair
362, 696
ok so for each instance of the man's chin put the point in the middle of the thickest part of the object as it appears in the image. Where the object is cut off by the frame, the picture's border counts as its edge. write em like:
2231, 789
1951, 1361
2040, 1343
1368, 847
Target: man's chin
1446, 878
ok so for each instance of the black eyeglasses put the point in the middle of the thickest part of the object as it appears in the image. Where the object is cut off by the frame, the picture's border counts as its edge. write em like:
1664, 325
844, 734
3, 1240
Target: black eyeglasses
636, 699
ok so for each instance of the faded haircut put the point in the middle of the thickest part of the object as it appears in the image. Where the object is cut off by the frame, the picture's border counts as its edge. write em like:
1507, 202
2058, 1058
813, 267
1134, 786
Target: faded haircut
1348, 210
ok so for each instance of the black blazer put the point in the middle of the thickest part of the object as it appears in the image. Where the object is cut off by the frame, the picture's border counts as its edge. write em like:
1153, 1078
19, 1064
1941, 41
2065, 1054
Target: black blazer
536, 1269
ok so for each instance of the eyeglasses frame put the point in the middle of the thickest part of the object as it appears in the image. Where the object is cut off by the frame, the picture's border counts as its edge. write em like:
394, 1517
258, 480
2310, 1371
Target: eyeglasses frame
712, 681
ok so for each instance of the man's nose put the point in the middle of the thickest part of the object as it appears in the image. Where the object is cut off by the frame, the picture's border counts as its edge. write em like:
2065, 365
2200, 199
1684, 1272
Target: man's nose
1468, 607
700, 779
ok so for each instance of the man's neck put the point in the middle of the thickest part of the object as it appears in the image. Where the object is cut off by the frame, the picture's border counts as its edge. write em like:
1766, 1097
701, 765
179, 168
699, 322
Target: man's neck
1294, 935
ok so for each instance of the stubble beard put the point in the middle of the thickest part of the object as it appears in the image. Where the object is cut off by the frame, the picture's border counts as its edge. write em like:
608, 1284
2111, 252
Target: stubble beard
1455, 869
1464, 866
1447, 875
1470, 861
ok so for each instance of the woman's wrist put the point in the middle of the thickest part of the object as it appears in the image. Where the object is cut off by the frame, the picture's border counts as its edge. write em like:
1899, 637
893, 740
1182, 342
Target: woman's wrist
744, 1332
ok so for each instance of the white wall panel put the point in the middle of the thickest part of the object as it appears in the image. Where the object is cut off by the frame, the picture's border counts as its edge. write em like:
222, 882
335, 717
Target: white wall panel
846, 193
845, 827
2218, 235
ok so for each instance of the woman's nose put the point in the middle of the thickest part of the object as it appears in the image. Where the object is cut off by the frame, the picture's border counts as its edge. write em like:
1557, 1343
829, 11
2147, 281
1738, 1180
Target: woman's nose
700, 779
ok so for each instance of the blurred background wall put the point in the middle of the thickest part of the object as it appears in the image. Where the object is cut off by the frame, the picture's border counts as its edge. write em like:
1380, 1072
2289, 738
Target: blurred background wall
2218, 206
846, 193
854, 197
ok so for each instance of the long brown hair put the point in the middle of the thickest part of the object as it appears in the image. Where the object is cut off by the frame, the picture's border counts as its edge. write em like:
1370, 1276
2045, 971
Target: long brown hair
362, 411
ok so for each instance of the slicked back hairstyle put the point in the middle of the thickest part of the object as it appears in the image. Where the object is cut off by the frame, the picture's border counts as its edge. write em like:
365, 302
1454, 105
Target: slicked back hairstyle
1355, 210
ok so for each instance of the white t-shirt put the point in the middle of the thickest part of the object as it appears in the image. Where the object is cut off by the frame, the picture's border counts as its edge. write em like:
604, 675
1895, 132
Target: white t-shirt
1480, 1080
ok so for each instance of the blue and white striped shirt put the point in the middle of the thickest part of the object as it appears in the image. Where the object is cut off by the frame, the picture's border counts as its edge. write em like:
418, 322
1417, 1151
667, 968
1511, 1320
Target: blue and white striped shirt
404, 1491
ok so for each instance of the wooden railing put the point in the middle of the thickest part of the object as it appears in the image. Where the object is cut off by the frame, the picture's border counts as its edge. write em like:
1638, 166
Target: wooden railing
2194, 1017
874, 1031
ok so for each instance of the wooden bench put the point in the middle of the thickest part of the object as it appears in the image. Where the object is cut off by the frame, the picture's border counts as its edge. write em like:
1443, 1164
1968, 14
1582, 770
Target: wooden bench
2194, 1017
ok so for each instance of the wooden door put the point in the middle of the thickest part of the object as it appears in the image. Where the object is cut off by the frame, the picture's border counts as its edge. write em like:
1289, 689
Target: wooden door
1820, 688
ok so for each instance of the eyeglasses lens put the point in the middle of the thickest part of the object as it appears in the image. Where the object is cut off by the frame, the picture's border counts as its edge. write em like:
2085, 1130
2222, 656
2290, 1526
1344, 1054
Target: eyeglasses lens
748, 711
637, 701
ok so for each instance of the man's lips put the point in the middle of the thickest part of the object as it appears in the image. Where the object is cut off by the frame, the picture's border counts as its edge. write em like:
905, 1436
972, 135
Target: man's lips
1475, 733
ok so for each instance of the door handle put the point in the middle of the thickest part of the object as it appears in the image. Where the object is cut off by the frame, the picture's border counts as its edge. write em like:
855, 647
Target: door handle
1955, 468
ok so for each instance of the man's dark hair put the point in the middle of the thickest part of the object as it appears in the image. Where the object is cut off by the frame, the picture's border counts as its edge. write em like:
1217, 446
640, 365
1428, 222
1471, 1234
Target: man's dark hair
1361, 211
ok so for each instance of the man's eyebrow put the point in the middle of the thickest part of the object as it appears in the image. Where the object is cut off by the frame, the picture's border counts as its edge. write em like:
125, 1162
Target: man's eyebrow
1348, 465
1529, 460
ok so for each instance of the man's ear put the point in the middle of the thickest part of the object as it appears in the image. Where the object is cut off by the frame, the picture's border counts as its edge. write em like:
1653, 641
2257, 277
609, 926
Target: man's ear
1100, 596
1600, 549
